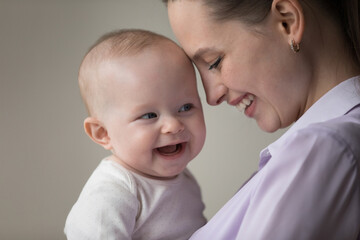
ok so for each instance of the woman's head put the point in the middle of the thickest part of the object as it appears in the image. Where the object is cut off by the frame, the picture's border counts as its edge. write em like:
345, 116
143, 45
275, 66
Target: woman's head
346, 13
242, 51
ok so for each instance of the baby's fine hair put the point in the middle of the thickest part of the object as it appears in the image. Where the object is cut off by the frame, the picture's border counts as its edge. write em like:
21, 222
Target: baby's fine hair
124, 42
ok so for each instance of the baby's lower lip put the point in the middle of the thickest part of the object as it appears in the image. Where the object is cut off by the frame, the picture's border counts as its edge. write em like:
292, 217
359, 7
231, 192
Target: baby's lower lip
171, 150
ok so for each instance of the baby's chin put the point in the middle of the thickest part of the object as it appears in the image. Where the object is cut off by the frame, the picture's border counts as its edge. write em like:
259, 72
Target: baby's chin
169, 173
168, 176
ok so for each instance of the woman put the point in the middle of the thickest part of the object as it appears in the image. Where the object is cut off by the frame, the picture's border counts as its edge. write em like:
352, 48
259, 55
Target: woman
283, 62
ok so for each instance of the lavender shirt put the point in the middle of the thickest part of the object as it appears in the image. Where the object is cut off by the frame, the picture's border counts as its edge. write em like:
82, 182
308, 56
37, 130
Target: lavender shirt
308, 183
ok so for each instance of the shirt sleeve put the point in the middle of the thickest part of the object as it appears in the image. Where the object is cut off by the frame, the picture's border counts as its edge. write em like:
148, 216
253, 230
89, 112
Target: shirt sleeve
107, 211
309, 191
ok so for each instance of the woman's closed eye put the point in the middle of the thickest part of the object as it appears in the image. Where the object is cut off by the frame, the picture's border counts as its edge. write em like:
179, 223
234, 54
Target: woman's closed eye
216, 63
186, 107
149, 115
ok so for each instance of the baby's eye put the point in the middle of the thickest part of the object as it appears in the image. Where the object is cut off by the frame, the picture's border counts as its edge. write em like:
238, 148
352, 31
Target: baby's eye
149, 115
216, 63
186, 107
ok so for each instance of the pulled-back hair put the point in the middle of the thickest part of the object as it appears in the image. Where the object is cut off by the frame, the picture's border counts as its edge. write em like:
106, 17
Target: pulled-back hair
345, 12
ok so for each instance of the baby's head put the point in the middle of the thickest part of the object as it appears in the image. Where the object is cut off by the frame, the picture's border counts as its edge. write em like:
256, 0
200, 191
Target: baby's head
140, 92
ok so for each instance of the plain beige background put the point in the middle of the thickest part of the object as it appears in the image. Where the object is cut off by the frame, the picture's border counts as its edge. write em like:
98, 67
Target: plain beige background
45, 156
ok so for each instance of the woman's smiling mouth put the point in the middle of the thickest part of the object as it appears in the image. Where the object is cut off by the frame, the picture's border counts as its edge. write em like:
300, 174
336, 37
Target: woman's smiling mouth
245, 102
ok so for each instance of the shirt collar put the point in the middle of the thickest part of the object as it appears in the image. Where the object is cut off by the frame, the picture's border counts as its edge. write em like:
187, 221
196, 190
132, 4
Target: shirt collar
336, 102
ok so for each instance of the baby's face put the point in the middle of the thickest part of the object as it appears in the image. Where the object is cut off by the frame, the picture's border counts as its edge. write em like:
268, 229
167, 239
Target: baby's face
155, 120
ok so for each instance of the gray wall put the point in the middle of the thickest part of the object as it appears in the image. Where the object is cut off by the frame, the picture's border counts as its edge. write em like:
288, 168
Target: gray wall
45, 155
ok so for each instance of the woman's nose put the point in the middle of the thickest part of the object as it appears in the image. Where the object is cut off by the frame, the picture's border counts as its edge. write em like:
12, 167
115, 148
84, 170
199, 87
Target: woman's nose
172, 125
215, 93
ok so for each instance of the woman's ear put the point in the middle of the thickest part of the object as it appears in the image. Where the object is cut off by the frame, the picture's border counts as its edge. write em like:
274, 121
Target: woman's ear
97, 132
290, 16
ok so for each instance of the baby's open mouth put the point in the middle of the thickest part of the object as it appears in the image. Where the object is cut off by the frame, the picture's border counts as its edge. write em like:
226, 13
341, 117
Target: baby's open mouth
170, 150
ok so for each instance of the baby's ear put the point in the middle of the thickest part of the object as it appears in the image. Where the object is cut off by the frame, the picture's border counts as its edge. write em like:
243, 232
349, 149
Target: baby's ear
97, 132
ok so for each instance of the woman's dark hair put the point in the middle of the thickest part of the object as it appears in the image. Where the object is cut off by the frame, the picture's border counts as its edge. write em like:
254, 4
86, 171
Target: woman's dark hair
347, 13
254, 11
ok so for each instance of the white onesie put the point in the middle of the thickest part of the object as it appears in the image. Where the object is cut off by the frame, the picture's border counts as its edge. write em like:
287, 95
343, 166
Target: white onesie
116, 203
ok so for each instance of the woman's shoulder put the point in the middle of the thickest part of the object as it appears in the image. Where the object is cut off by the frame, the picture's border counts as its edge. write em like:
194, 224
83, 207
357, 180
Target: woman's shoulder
334, 140
344, 129
331, 142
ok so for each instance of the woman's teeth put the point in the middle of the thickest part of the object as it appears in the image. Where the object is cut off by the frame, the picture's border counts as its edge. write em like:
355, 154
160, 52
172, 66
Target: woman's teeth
245, 102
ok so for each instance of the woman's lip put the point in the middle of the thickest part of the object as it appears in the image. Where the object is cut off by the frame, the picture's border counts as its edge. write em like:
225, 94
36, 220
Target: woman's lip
245, 102
237, 100
249, 111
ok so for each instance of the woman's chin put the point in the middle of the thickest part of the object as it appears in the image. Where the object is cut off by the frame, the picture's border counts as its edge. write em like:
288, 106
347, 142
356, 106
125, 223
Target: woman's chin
268, 126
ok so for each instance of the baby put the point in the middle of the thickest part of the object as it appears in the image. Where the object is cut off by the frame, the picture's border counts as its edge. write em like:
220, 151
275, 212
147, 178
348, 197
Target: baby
140, 92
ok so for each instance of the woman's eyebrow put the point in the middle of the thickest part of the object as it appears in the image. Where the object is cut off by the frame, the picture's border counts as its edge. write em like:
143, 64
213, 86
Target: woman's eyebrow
200, 52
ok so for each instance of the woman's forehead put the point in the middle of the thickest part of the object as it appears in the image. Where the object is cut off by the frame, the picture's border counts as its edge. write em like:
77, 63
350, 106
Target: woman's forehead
192, 26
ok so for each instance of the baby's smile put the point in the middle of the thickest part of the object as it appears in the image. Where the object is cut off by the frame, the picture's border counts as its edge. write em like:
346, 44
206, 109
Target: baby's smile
171, 150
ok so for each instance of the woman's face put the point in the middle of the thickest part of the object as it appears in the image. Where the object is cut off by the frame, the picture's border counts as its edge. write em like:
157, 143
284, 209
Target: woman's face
252, 68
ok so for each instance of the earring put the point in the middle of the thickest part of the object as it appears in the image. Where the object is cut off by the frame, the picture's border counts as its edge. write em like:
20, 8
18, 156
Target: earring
295, 46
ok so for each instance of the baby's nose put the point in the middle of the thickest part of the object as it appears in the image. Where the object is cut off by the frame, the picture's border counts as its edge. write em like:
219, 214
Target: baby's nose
172, 125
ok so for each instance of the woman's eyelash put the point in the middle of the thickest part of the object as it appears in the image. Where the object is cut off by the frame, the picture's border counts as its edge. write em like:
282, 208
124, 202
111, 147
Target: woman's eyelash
216, 63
